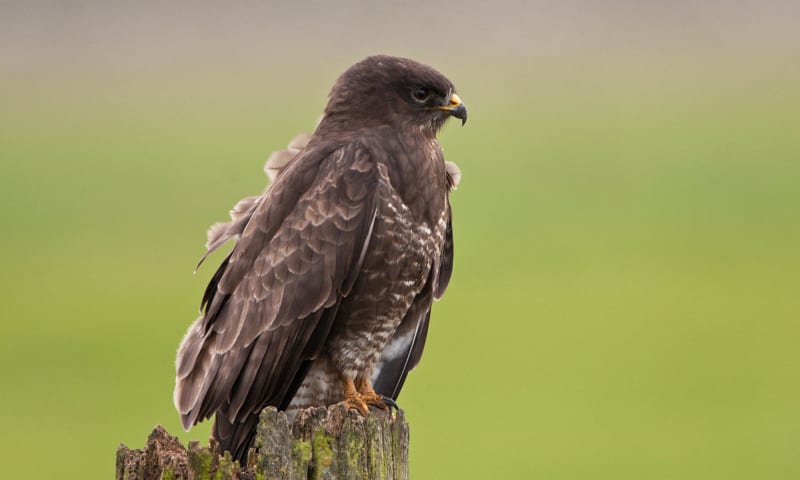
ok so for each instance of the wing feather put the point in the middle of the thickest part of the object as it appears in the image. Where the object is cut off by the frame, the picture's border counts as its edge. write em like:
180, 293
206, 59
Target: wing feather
446, 261
267, 309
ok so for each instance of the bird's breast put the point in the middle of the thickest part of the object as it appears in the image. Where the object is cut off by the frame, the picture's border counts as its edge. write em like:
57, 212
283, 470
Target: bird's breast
403, 251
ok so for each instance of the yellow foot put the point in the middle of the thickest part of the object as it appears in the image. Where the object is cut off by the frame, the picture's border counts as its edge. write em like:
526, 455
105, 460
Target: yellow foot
352, 399
368, 394
372, 398
357, 403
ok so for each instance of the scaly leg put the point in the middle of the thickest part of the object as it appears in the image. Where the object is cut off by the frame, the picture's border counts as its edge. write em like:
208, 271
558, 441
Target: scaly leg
352, 399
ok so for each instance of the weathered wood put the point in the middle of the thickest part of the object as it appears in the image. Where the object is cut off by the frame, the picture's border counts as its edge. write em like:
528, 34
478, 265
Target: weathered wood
317, 443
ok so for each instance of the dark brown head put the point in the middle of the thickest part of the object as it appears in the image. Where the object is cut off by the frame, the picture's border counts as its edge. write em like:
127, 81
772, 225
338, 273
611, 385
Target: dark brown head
384, 90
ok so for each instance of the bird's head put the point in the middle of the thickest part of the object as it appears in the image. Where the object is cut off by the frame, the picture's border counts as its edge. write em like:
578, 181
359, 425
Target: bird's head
383, 90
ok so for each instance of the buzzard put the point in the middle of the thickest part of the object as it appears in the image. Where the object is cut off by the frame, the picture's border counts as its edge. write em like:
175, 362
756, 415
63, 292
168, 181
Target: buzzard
326, 295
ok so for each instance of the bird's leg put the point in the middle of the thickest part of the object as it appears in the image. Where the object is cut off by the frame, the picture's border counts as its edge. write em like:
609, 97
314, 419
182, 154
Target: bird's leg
369, 395
352, 399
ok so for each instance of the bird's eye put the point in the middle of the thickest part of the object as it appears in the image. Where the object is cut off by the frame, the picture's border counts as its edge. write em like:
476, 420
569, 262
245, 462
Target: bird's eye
421, 94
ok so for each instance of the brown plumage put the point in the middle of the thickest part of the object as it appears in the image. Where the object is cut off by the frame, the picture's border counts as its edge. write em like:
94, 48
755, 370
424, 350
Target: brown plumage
329, 287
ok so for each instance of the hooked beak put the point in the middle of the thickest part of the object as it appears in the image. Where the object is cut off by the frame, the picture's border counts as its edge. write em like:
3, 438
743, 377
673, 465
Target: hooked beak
456, 108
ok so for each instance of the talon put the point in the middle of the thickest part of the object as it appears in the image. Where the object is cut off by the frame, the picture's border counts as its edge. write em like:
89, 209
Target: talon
357, 404
371, 397
377, 400
391, 403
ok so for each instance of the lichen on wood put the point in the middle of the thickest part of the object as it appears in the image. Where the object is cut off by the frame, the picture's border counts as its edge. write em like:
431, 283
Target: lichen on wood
317, 443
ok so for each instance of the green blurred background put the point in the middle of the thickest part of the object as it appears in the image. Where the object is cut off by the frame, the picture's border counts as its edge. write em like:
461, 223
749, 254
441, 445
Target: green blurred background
625, 301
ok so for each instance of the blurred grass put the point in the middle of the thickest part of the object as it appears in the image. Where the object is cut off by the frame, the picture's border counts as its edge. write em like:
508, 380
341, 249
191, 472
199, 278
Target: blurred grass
625, 297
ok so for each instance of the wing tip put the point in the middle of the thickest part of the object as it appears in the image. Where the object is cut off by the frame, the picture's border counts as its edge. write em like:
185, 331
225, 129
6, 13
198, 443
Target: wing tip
188, 417
186, 422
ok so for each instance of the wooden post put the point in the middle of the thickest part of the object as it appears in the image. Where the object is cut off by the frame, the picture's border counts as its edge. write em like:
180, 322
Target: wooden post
318, 443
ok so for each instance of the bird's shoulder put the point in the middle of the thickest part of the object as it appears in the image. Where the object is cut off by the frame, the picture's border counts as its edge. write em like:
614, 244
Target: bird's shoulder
321, 207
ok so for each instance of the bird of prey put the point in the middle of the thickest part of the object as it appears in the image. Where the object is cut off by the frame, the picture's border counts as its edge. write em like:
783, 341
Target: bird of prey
327, 292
